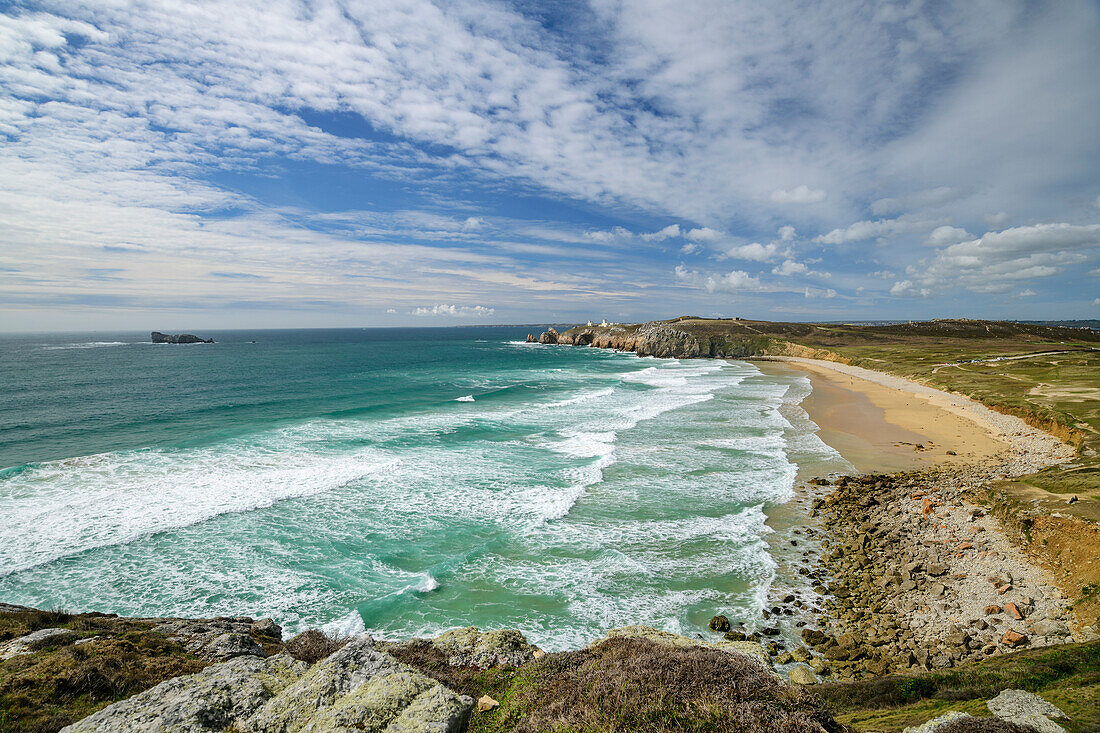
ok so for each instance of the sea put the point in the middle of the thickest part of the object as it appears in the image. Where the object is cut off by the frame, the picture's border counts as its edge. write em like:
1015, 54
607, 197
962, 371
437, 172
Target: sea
398, 481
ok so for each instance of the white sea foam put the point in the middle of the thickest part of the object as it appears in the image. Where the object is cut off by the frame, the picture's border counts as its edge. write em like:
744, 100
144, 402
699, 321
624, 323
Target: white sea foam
466, 398
427, 584
65, 507
85, 345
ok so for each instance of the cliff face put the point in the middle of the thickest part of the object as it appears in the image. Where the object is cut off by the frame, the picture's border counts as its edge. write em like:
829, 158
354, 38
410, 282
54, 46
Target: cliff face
667, 340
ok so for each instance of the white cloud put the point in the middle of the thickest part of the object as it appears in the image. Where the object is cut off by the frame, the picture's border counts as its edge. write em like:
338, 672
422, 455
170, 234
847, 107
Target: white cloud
472, 223
444, 309
907, 288
862, 230
996, 221
704, 234
690, 248
735, 281
884, 274
802, 194
755, 252
945, 235
818, 293
997, 260
790, 267
786, 233
672, 230
1026, 293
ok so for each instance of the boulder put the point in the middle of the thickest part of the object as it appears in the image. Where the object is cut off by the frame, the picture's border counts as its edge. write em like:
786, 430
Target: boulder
720, 624
550, 336
1025, 708
469, 647
666, 638
361, 688
486, 703
357, 688
1014, 639
212, 699
531, 339
1049, 627
801, 675
936, 723
37, 640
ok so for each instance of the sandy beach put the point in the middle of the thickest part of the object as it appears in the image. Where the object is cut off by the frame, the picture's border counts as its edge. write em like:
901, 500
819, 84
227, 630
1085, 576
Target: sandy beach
880, 422
915, 573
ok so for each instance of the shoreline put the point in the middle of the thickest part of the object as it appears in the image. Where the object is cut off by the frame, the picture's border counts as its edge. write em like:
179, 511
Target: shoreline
917, 575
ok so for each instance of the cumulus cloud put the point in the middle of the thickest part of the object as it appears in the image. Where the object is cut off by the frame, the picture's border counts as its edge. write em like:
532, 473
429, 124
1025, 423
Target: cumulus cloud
672, 230
790, 267
690, 248
735, 281
863, 230
798, 195
445, 309
908, 288
754, 252
786, 233
1026, 293
705, 234
996, 261
942, 236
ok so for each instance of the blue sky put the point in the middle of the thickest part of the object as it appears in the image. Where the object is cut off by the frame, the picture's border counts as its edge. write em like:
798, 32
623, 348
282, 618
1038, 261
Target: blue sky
245, 164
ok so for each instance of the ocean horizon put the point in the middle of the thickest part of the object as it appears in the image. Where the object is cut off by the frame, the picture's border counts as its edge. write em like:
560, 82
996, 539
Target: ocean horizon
396, 481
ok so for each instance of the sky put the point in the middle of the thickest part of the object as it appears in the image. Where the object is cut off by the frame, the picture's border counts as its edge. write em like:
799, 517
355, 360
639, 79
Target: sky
212, 164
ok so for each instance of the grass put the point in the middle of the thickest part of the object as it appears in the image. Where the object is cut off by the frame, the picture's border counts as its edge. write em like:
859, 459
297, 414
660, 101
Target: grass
55, 686
624, 685
1066, 675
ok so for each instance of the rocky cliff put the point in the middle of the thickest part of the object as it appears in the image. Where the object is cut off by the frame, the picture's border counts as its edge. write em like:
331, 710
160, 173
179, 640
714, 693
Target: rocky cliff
668, 339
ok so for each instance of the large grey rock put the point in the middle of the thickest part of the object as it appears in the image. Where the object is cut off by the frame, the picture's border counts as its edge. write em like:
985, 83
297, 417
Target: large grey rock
935, 724
666, 638
36, 640
212, 699
361, 688
214, 640
358, 688
1025, 708
469, 647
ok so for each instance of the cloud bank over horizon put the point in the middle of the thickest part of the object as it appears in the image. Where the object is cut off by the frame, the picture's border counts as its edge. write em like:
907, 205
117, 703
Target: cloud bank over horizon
289, 163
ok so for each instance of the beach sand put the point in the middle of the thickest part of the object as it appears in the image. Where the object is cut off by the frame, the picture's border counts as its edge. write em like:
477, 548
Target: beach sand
878, 426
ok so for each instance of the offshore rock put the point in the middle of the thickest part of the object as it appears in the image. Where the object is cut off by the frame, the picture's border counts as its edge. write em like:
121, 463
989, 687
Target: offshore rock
183, 338
531, 339
357, 688
549, 336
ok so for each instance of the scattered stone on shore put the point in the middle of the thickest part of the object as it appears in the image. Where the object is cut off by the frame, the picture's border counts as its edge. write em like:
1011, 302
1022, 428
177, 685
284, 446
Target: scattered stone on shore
924, 579
801, 675
720, 624
358, 687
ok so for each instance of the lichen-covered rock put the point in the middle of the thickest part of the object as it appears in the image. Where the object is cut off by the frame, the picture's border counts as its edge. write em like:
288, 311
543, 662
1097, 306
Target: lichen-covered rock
362, 688
801, 675
470, 647
36, 640
216, 640
359, 688
1024, 708
750, 648
936, 723
212, 699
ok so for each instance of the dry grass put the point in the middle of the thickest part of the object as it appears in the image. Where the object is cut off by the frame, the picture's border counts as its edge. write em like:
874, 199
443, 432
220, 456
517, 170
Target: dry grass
312, 646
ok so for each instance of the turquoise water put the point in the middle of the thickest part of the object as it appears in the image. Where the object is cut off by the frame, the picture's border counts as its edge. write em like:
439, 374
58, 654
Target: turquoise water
398, 481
